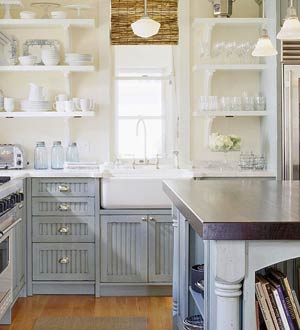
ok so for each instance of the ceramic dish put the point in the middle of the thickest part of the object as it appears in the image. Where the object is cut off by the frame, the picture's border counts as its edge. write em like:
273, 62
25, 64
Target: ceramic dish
27, 15
35, 46
28, 60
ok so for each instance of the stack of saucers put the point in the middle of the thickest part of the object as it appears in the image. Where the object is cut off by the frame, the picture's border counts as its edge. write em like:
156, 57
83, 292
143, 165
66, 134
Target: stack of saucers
79, 59
58, 14
35, 106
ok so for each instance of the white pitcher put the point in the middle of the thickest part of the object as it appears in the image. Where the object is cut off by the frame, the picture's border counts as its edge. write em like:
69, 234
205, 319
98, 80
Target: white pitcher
37, 93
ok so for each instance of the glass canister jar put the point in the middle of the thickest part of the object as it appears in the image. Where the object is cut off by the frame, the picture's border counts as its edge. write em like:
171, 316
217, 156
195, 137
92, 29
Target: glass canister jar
57, 156
72, 153
40, 156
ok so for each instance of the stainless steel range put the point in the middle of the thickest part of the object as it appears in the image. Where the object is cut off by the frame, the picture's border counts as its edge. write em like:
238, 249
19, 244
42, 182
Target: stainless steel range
11, 204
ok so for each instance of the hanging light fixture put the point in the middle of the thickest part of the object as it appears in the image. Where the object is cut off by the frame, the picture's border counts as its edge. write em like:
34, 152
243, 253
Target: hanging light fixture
145, 27
291, 26
264, 46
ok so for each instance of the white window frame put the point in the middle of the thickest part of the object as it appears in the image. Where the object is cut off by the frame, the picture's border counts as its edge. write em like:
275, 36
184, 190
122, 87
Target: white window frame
146, 74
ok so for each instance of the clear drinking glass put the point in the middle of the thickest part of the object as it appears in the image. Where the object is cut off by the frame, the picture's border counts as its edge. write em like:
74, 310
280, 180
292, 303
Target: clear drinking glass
249, 103
260, 103
236, 103
40, 156
57, 156
72, 153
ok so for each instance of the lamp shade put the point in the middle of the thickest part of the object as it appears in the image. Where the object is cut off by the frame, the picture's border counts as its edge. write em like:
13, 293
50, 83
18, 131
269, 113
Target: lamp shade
291, 26
145, 27
264, 46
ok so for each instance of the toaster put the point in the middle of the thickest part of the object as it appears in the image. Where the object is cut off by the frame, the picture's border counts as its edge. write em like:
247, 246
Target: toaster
11, 157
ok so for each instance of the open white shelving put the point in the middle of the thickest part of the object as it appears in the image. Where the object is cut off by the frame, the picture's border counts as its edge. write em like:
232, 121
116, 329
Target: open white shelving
57, 68
46, 23
198, 299
228, 67
230, 21
230, 113
47, 114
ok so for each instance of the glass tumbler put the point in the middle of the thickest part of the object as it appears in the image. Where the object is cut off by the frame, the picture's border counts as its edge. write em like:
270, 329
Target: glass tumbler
57, 156
40, 156
260, 103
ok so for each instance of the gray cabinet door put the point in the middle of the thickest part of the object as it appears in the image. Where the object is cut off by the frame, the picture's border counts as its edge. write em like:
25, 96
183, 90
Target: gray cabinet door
123, 248
63, 261
63, 229
18, 259
160, 238
62, 206
63, 187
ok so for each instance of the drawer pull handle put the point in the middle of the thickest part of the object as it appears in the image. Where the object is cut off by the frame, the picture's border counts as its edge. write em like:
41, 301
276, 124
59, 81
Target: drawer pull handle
152, 219
64, 230
144, 219
63, 188
64, 207
64, 260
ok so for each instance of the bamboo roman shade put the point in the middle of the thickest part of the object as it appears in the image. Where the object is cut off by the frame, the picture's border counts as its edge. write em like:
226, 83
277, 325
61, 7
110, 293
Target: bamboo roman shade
125, 12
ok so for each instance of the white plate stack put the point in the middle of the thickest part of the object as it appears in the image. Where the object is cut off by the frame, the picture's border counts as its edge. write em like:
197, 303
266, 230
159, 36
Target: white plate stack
35, 106
50, 56
79, 59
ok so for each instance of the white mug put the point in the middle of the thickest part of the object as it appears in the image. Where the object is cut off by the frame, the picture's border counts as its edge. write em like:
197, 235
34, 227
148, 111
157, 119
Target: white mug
87, 104
61, 97
9, 104
59, 106
69, 106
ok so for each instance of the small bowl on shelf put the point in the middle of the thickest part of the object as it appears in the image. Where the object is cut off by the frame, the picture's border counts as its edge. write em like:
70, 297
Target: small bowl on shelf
27, 14
28, 60
58, 14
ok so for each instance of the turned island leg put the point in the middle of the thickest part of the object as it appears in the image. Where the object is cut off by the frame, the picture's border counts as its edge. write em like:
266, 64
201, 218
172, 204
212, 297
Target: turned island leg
229, 259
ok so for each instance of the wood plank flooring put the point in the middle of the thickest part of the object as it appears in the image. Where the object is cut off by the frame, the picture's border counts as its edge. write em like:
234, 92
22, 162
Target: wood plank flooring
158, 310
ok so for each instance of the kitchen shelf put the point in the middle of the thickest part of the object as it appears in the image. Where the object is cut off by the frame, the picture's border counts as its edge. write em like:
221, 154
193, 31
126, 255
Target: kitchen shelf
198, 299
228, 67
230, 113
47, 114
47, 23
230, 21
45, 68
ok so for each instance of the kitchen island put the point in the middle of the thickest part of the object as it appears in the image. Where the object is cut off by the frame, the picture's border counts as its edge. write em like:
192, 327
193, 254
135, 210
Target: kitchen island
244, 226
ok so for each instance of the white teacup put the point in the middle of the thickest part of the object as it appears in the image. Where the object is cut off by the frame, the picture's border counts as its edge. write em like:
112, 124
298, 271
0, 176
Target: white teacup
87, 104
69, 106
59, 106
9, 104
61, 97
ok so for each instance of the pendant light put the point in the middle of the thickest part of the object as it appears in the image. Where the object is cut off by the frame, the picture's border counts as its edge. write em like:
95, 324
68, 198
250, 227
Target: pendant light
291, 26
145, 27
264, 46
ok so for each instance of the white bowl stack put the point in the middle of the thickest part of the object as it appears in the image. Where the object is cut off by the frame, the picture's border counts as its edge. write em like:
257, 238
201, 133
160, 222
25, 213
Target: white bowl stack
50, 56
27, 14
28, 60
79, 59
35, 106
58, 14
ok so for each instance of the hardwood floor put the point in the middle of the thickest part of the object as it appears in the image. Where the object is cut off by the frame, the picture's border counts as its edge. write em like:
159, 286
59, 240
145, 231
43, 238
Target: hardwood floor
158, 310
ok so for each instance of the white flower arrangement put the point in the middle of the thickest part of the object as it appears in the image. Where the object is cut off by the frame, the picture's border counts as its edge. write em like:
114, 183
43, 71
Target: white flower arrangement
224, 143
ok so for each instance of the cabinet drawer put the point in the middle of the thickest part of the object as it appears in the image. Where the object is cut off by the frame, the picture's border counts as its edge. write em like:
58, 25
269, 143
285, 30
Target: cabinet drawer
62, 206
63, 261
63, 229
63, 187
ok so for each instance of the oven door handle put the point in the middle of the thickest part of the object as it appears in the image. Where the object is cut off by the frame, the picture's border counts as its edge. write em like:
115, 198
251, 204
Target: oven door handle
4, 232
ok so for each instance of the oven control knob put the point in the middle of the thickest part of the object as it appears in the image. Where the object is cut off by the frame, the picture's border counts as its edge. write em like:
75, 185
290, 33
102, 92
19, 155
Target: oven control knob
20, 197
1, 234
2, 206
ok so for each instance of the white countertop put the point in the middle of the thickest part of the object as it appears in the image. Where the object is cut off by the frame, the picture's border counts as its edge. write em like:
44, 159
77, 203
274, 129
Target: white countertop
199, 173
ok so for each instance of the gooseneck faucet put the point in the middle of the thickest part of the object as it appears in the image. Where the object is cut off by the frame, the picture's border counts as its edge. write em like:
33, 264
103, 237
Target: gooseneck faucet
141, 121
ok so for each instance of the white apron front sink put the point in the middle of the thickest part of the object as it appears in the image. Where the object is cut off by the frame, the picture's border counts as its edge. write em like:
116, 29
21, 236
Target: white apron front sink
133, 189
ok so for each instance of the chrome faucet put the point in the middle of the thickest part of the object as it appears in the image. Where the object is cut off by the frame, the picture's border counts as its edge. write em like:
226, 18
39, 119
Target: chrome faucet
139, 122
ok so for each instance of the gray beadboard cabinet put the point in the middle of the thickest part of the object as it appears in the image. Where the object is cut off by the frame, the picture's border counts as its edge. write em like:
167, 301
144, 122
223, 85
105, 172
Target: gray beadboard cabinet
136, 253
63, 222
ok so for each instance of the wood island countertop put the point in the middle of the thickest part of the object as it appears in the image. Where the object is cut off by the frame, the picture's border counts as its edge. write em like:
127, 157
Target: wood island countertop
239, 209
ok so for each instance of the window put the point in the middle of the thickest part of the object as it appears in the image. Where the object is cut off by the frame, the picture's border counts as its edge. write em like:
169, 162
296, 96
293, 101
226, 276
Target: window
144, 101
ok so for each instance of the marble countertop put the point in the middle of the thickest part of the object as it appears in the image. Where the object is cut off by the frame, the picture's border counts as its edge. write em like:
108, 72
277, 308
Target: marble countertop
239, 210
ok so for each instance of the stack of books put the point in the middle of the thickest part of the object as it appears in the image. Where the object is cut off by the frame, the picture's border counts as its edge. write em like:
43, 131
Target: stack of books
277, 306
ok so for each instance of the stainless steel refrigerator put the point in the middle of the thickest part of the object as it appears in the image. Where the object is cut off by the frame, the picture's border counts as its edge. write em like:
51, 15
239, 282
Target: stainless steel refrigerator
290, 122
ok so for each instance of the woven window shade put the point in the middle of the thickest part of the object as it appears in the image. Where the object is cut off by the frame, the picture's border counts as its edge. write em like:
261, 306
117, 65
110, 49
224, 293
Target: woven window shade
125, 12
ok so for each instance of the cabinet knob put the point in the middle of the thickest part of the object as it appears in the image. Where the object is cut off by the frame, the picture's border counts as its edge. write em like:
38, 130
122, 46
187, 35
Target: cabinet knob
144, 219
64, 260
152, 219
63, 188
64, 207
64, 230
